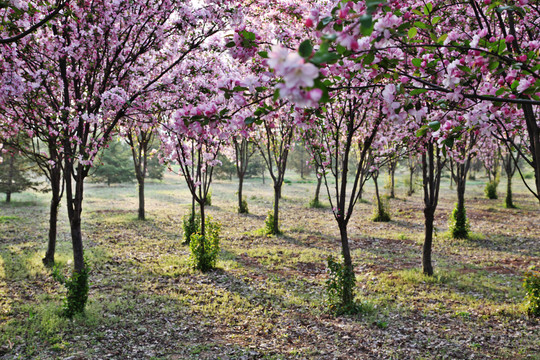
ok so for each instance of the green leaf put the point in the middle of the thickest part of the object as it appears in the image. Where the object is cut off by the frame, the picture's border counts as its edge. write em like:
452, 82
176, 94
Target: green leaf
368, 59
366, 24
323, 48
420, 25
276, 95
306, 49
464, 68
248, 35
417, 92
500, 92
417, 62
239, 88
428, 8
412, 32
322, 24
494, 65
441, 39
434, 125
514, 84
263, 54
327, 58
422, 131
230, 44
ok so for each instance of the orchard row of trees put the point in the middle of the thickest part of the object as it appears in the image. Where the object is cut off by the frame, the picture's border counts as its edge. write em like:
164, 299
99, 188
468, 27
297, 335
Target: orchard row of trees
361, 83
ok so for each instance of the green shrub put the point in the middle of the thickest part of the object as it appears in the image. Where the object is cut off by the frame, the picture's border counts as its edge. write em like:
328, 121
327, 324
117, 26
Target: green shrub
340, 278
77, 290
459, 224
491, 190
191, 224
380, 213
315, 204
205, 249
208, 200
531, 283
410, 189
269, 225
243, 209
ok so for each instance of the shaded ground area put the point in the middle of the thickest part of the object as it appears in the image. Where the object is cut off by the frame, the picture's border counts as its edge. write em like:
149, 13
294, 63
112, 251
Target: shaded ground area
266, 299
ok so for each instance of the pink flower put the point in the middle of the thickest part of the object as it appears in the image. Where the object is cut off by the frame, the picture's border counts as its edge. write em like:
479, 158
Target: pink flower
315, 94
509, 38
525, 83
455, 95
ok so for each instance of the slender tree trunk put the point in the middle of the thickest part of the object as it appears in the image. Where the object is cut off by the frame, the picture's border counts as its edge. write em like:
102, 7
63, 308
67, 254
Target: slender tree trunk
318, 189
392, 180
379, 206
508, 200
427, 266
11, 173
240, 188
411, 179
534, 135
431, 179
74, 201
263, 177
140, 181
277, 196
347, 262
203, 221
48, 260
460, 186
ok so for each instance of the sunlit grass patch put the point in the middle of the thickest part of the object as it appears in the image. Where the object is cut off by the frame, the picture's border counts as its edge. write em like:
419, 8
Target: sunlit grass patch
8, 219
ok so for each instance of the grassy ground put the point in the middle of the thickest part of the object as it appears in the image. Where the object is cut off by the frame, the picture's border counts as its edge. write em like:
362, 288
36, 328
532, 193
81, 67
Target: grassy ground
266, 299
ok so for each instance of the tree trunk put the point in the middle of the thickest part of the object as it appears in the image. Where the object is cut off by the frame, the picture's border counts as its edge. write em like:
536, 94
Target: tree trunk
392, 180
379, 205
203, 220
508, 200
347, 299
277, 196
263, 177
427, 266
318, 189
48, 260
460, 186
411, 179
140, 181
10, 177
240, 188
431, 180
74, 215
534, 135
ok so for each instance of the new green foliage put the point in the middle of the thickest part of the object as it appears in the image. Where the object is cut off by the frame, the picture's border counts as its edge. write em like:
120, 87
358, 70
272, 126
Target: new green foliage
77, 290
205, 249
531, 283
491, 189
191, 224
459, 224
